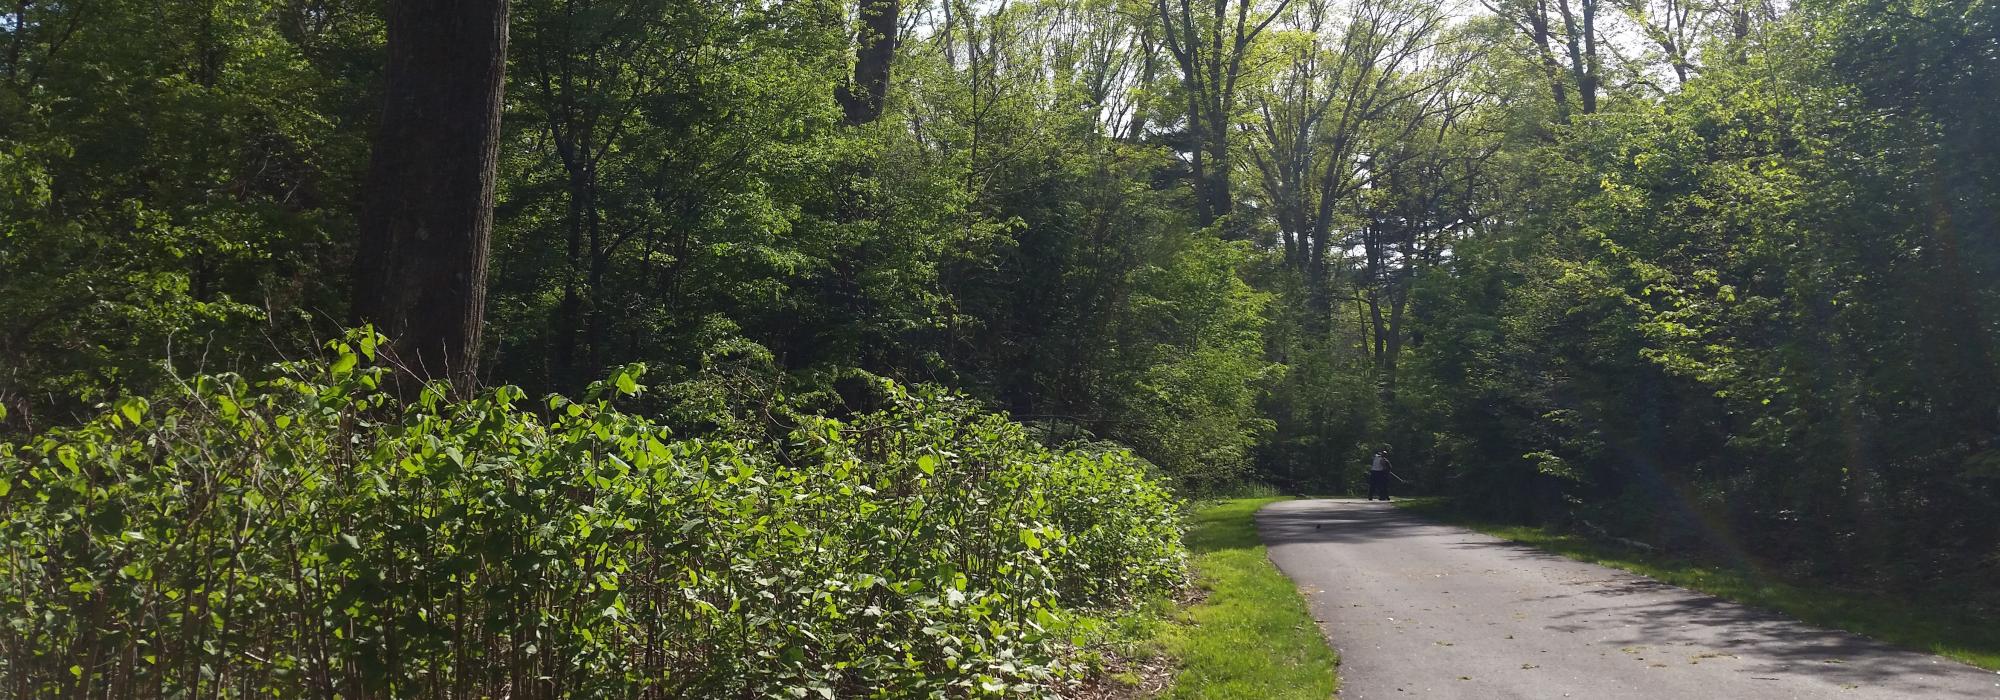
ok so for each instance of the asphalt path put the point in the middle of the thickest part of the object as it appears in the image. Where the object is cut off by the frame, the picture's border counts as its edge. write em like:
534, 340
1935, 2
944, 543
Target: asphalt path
1422, 610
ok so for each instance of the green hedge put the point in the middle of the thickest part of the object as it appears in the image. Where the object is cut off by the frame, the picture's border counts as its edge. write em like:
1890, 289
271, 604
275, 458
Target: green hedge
311, 536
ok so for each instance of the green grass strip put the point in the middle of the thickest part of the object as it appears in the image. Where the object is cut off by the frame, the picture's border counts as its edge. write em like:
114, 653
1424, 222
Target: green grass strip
1252, 637
1930, 623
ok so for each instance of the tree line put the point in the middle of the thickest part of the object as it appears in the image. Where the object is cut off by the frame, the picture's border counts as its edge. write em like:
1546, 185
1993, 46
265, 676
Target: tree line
1717, 274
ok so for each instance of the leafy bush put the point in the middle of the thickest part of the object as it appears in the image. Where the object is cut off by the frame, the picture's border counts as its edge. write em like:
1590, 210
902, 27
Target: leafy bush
311, 535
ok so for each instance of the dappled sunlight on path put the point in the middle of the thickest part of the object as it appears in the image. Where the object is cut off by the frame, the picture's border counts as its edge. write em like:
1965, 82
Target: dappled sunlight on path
1419, 609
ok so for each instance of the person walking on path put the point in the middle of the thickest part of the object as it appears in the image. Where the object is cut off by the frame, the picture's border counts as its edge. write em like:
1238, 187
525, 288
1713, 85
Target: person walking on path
1378, 475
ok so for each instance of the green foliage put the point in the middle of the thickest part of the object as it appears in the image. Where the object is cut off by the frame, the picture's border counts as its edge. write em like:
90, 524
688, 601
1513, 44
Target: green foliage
674, 187
310, 535
1082, 299
1195, 407
664, 187
1325, 409
172, 184
1747, 307
1752, 320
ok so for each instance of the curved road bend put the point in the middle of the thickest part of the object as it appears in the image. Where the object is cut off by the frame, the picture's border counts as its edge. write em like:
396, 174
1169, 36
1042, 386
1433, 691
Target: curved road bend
1422, 610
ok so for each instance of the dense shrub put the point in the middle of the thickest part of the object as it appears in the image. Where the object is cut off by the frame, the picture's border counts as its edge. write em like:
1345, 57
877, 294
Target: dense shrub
311, 535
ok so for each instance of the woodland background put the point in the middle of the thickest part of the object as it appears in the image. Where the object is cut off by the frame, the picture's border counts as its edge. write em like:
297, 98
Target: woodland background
1716, 274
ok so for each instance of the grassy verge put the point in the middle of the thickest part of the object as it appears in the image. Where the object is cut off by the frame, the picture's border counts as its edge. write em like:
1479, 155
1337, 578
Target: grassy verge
1251, 636
1931, 623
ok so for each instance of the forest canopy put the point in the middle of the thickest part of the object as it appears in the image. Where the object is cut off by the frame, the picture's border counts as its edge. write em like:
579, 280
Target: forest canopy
1716, 275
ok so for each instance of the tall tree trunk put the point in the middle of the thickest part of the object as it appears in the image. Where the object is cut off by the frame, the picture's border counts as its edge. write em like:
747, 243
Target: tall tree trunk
1318, 294
427, 218
1209, 52
1538, 24
568, 314
1586, 84
1377, 338
1220, 203
1581, 40
861, 98
1149, 54
1197, 139
1399, 297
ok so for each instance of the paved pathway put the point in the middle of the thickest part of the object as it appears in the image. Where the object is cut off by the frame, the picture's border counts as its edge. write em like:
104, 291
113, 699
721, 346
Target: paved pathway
1421, 610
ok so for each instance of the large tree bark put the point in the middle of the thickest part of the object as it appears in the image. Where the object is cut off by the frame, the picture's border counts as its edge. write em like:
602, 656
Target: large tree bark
861, 98
427, 216
1538, 29
1208, 41
1582, 48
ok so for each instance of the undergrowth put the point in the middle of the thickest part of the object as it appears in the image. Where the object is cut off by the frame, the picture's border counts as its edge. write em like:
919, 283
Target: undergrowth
310, 535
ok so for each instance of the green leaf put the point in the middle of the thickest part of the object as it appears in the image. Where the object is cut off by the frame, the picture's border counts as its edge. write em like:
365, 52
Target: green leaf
132, 408
345, 365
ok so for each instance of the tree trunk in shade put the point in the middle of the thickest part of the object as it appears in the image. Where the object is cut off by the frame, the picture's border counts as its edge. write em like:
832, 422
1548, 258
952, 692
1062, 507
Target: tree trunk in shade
861, 99
427, 211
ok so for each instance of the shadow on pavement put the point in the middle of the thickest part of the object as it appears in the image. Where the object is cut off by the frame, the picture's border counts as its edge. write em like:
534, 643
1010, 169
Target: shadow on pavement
1367, 521
1633, 614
